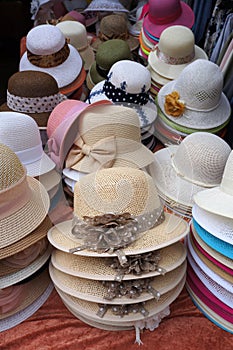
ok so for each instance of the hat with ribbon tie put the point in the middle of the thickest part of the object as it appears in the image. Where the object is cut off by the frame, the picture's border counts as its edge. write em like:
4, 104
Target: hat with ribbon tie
34, 93
47, 51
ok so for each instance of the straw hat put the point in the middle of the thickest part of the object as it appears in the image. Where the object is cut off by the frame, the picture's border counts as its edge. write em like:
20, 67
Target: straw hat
119, 190
195, 100
107, 136
76, 34
175, 50
124, 87
47, 51
34, 93
114, 26
105, 5
196, 163
24, 200
162, 14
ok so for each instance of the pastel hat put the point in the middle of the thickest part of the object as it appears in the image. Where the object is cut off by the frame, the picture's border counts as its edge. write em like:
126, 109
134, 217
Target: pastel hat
114, 26
105, 5
24, 200
175, 50
195, 100
126, 88
34, 93
107, 136
76, 34
47, 51
108, 53
21, 134
218, 200
162, 14
196, 163
84, 18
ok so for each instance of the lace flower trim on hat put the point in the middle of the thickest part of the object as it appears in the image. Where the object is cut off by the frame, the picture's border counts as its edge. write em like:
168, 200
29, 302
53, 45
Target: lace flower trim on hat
110, 232
173, 106
122, 310
34, 104
173, 60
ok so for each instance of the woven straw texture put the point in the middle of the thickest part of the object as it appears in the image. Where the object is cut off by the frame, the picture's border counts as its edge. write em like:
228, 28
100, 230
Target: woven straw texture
94, 291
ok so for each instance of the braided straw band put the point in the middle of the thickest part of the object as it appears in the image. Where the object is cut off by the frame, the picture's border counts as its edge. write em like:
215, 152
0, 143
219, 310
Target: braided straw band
34, 104
14, 198
173, 60
122, 310
52, 60
109, 232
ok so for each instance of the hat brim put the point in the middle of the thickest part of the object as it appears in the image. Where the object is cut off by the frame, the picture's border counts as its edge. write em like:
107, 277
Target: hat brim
170, 231
89, 82
94, 75
198, 120
28, 218
172, 71
132, 41
88, 57
147, 113
186, 19
157, 78
75, 85
64, 73
40, 167
50, 179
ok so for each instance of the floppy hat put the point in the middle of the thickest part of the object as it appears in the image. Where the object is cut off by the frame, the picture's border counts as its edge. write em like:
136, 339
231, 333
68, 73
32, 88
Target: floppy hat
47, 51
105, 5
108, 53
21, 134
114, 26
193, 99
162, 14
118, 190
24, 200
175, 50
123, 86
107, 135
196, 163
76, 34
34, 93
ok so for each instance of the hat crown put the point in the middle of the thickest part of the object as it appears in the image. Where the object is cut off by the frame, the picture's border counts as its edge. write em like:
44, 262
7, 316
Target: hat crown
200, 85
11, 169
129, 76
112, 51
75, 32
45, 39
164, 9
113, 25
177, 41
116, 190
201, 158
19, 131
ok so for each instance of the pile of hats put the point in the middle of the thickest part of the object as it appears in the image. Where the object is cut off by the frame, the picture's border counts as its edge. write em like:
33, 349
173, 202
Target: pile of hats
159, 15
119, 262
210, 251
175, 50
193, 102
128, 84
181, 171
24, 248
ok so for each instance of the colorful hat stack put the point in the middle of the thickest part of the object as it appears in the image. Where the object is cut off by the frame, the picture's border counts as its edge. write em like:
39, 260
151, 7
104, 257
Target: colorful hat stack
175, 50
181, 171
119, 246
24, 249
160, 15
210, 251
193, 102
122, 86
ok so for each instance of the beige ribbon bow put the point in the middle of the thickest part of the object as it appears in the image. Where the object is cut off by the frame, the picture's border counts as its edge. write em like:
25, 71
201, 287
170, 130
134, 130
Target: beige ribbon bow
101, 155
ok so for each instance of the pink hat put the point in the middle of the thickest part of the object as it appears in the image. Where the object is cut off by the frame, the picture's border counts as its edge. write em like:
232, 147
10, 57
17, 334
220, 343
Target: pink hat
163, 14
65, 131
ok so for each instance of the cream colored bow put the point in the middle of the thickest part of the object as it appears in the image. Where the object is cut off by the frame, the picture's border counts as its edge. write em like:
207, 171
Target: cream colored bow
100, 155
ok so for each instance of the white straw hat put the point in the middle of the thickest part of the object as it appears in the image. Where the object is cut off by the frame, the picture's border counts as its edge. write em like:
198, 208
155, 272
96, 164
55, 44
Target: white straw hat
47, 51
184, 170
105, 5
219, 200
199, 101
21, 134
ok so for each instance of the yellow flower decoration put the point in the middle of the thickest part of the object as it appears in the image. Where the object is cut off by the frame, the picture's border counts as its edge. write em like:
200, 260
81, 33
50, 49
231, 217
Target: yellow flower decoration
173, 106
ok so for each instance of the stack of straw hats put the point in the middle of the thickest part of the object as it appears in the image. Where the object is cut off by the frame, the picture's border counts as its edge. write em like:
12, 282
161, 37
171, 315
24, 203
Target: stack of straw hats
24, 248
119, 263
193, 102
181, 171
210, 251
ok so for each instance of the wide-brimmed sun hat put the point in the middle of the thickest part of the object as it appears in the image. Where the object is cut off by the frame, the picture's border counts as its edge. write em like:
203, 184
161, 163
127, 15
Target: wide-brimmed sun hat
195, 99
47, 51
24, 200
